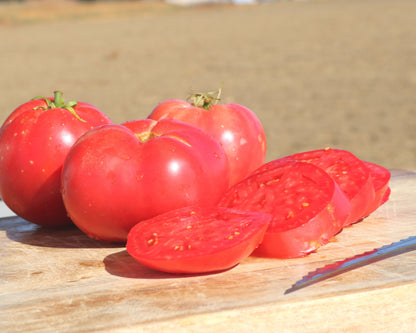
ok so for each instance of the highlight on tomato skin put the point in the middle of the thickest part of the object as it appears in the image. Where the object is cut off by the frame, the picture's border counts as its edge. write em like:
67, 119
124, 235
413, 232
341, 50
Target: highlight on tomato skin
197, 239
307, 206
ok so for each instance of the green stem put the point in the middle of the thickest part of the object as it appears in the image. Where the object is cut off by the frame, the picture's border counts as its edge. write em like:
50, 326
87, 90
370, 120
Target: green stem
59, 102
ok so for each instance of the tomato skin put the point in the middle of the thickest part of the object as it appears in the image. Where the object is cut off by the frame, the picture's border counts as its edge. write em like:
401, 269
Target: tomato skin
112, 180
197, 239
381, 177
386, 196
307, 206
234, 126
34, 142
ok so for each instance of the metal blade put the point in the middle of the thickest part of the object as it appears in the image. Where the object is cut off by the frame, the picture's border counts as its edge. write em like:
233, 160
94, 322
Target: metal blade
338, 267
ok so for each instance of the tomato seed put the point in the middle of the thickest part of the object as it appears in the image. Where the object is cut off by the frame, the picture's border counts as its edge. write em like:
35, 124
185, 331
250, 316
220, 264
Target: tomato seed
150, 241
290, 215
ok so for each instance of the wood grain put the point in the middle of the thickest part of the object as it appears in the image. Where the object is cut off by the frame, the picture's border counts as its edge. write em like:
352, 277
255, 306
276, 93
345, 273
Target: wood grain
58, 280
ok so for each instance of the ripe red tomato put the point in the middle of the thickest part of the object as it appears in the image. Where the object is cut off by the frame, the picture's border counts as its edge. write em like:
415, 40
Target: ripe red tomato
34, 142
349, 172
351, 175
234, 126
197, 239
308, 208
381, 177
116, 176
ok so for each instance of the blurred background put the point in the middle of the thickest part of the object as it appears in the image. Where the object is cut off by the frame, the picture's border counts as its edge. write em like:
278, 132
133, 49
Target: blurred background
319, 73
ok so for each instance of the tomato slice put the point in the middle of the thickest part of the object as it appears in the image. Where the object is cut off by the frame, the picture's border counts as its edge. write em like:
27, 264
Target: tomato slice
381, 177
307, 206
348, 171
386, 196
197, 239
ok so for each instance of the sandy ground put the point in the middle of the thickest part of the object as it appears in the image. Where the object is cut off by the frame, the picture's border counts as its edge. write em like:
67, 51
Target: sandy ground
333, 73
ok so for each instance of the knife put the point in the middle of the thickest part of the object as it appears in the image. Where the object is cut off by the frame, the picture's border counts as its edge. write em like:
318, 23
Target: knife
338, 267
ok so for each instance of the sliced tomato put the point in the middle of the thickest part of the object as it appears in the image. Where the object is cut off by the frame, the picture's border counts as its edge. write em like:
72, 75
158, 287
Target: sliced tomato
197, 239
307, 206
381, 177
386, 196
348, 171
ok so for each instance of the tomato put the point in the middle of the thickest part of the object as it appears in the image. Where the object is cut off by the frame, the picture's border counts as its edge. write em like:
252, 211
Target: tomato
381, 177
196, 239
116, 176
307, 206
386, 196
34, 142
237, 128
349, 172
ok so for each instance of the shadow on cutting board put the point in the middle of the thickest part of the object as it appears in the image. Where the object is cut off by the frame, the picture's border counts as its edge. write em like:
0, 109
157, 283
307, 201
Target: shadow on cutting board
22, 231
124, 265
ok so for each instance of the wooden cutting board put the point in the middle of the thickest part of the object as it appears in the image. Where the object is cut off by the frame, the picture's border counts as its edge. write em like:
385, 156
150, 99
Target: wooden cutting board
61, 281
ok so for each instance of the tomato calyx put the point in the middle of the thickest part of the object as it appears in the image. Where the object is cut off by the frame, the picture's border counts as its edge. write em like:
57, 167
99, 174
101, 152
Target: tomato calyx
205, 100
59, 103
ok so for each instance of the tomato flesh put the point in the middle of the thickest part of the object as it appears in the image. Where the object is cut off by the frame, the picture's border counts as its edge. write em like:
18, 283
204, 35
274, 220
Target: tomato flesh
307, 206
349, 172
197, 239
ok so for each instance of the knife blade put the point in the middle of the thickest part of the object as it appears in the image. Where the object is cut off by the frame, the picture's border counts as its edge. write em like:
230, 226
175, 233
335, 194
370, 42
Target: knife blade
366, 258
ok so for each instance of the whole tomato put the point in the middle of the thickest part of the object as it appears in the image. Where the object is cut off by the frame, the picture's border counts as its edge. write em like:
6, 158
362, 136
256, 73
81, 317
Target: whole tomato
34, 142
234, 126
116, 176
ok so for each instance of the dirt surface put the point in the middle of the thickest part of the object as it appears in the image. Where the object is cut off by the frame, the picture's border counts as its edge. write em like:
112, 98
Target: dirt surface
333, 73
